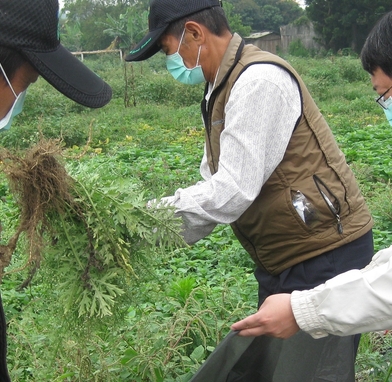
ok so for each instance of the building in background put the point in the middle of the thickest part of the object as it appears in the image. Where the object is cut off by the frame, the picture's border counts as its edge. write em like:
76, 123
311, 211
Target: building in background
268, 41
274, 43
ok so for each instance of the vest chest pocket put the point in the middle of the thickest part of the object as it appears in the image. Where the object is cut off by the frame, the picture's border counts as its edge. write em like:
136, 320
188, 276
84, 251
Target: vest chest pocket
304, 208
320, 210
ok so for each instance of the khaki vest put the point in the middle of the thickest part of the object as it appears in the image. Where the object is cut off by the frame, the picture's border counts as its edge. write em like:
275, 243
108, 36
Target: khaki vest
271, 229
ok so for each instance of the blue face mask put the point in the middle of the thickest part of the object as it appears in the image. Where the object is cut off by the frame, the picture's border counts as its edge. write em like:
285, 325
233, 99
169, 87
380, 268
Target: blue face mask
175, 65
388, 109
16, 108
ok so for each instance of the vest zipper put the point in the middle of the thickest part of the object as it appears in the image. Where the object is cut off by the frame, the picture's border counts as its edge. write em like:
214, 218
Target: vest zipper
335, 210
207, 113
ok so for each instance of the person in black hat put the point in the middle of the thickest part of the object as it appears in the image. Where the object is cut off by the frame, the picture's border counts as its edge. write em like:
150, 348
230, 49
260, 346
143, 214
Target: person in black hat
29, 47
271, 169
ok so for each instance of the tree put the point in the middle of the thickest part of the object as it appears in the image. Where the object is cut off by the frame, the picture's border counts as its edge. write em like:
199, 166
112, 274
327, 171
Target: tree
271, 18
263, 15
93, 15
128, 29
71, 36
345, 23
248, 10
290, 11
235, 21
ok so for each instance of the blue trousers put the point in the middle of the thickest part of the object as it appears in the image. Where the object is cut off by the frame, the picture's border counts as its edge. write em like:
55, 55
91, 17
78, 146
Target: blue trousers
299, 358
333, 357
315, 271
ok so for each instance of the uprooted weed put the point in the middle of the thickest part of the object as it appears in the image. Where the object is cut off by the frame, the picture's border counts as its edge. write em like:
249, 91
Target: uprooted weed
41, 187
99, 228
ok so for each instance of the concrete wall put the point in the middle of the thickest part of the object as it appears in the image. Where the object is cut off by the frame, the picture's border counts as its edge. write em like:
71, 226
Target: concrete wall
305, 33
272, 42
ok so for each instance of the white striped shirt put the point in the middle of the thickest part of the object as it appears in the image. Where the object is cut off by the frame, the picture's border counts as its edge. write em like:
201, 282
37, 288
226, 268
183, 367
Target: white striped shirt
261, 113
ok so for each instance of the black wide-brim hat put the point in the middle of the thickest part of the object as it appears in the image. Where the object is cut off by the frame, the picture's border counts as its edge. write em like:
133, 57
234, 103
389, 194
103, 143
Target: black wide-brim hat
162, 14
30, 27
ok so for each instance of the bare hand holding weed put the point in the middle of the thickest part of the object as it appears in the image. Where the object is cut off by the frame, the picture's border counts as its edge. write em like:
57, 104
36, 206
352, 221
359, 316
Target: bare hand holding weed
274, 318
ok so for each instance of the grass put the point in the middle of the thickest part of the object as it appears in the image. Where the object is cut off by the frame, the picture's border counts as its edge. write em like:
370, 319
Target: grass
171, 318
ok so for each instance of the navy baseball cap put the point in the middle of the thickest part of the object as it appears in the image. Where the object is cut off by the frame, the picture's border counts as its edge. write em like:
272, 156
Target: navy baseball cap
30, 27
162, 14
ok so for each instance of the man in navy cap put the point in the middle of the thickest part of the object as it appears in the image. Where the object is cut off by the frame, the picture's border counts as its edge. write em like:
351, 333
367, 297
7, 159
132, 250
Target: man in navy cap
271, 169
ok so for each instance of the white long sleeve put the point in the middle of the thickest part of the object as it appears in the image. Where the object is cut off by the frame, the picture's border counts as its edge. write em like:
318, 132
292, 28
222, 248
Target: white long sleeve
261, 113
353, 302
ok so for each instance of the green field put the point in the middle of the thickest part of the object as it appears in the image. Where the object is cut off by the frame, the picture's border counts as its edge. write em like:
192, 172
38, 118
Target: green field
129, 302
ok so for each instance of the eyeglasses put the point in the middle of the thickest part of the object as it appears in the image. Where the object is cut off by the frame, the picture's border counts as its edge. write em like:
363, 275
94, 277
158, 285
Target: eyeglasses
380, 100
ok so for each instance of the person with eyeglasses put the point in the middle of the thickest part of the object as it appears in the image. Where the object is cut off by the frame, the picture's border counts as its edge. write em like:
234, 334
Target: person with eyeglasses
30, 47
357, 301
383, 100
271, 168
385, 103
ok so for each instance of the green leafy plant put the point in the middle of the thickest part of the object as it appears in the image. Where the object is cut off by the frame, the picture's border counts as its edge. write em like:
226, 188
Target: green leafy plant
99, 228
296, 48
147, 312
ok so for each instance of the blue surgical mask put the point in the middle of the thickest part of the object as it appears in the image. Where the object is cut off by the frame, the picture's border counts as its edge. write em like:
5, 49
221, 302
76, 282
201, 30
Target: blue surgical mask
175, 65
388, 109
16, 108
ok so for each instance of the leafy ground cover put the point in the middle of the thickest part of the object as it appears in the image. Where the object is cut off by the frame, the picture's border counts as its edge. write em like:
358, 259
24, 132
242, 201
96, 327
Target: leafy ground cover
180, 302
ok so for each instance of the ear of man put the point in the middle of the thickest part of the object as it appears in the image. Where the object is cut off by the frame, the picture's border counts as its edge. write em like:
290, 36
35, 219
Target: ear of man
195, 32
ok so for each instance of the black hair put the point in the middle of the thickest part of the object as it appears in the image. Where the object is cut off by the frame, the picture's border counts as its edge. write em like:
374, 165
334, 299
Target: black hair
377, 50
11, 61
214, 19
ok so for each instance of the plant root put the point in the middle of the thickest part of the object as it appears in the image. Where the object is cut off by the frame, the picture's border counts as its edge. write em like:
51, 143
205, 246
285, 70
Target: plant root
41, 187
